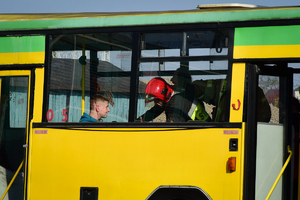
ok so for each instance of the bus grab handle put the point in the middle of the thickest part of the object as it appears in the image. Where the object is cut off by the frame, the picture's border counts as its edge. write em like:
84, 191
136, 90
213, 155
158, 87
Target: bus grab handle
281, 172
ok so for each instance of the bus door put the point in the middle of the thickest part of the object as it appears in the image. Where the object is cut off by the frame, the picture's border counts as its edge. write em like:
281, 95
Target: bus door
295, 119
14, 103
267, 139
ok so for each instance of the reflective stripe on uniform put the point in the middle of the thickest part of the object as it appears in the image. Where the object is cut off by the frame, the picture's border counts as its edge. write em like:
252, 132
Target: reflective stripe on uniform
198, 112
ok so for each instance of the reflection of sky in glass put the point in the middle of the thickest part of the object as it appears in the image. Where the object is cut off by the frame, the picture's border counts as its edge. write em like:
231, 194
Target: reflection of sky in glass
193, 65
176, 52
207, 52
296, 85
70, 54
199, 65
294, 65
296, 80
170, 66
172, 52
155, 66
161, 53
121, 59
149, 53
208, 65
210, 77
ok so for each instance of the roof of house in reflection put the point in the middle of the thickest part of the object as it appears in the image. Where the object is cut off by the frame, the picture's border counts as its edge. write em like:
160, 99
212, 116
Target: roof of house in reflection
66, 74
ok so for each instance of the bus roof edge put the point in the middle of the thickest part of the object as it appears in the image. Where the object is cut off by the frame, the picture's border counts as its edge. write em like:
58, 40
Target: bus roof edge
226, 5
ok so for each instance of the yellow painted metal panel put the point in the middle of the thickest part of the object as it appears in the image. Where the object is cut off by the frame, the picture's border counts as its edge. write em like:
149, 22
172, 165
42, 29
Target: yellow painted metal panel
39, 91
15, 73
27, 130
131, 163
22, 58
37, 115
266, 51
237, 92
242, 162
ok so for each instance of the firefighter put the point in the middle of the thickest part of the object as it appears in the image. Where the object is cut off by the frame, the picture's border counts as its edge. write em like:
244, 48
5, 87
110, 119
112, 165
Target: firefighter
175, 104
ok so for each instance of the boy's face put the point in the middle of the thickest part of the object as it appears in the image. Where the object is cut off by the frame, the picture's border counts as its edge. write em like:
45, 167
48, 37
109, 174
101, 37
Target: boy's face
102, 109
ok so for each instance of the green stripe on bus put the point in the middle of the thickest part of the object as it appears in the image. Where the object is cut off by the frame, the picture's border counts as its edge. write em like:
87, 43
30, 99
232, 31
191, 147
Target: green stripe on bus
152, 18
22, 44
271, 35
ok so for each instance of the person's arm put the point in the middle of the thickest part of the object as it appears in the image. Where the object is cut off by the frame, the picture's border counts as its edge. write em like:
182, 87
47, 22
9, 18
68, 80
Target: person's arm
177, 109
151, 114
263, 107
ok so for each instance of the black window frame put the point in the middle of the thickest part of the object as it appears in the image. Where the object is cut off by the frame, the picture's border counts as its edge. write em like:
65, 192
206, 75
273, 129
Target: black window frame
136, 59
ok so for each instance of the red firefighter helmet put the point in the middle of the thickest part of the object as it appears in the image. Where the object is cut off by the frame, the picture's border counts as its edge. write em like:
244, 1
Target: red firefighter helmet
158, 88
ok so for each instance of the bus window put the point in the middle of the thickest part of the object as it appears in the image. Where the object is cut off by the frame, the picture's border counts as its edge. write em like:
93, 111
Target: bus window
271, 135
196, 97
189, 43
268, 99
198, 87
13, 125
85, 65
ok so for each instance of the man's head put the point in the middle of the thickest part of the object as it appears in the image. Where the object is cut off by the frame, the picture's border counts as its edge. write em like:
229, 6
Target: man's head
158, 89
181, 77
99, 105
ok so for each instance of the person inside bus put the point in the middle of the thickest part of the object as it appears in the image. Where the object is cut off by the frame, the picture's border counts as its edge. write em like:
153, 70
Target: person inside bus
99, 109
175, 100
263, 107
213, 92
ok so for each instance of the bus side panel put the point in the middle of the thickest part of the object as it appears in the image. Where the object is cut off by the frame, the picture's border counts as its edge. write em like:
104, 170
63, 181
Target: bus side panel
237, 92
22, 50
131, 163
267, 42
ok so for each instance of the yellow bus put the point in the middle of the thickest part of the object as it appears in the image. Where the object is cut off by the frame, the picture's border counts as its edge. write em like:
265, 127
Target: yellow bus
198, 104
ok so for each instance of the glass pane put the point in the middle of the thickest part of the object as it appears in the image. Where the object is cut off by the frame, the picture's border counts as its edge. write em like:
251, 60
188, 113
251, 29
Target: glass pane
13, 111
269, 161
85, 67
18, 102
270, 136
268, 99
294, 65
190, 43
295, 120
182, 91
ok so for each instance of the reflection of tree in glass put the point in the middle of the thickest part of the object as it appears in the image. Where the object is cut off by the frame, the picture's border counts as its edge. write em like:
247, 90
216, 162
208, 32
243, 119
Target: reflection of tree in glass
268, 83
270, 87
296, 85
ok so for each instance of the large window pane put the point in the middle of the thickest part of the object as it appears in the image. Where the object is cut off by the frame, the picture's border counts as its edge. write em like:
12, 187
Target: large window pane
13, 127
197, 88
189, 43
270, 136
83, 66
